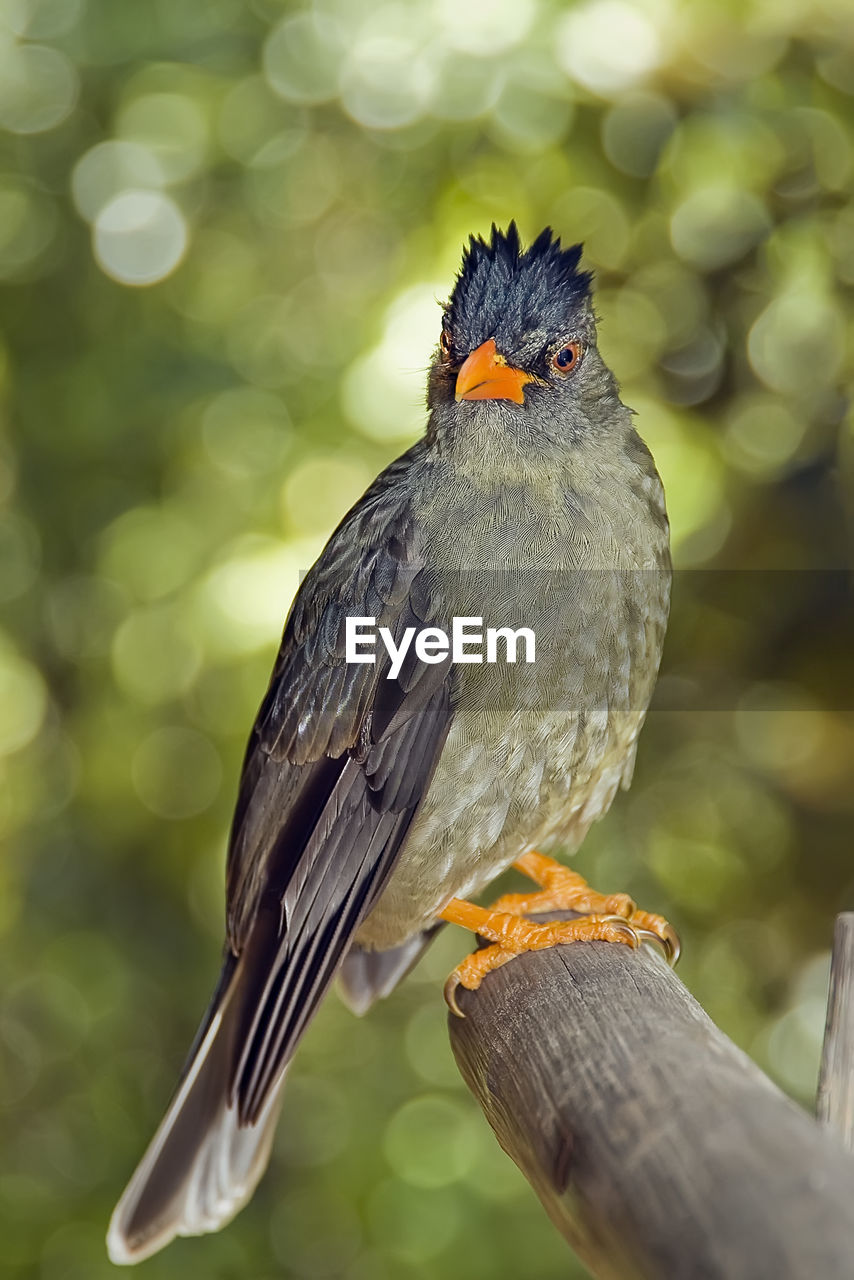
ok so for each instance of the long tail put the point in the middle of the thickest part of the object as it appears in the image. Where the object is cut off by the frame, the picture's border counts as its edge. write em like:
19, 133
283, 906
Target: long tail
201, 1166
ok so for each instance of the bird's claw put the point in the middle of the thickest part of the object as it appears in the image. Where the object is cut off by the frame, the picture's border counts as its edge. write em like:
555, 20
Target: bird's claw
624, 926
654, 930
449, 991
672, 945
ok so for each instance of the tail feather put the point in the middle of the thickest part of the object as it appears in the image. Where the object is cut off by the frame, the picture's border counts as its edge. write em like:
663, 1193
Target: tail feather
201, 1166
368, 976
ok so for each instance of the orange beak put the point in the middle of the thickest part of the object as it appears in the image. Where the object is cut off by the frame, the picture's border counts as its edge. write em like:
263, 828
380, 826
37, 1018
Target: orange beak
486, 375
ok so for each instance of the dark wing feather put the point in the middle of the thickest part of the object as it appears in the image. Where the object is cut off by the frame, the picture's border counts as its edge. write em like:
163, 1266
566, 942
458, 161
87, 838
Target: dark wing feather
339, 760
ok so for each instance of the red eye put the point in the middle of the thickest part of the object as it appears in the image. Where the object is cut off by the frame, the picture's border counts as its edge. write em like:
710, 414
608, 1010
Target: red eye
567, 358
445, 343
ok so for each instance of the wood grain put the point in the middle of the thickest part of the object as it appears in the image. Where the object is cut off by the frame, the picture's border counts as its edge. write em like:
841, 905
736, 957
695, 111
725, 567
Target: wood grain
835, 1102
656, 1146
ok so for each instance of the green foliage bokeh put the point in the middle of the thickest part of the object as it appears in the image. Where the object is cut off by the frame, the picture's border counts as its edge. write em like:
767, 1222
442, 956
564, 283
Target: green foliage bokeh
224, 227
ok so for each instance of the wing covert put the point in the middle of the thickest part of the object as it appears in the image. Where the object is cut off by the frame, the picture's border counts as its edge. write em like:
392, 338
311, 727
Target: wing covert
339, 760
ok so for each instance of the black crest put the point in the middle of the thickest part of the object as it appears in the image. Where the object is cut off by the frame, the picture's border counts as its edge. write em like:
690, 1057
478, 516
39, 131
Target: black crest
505, 291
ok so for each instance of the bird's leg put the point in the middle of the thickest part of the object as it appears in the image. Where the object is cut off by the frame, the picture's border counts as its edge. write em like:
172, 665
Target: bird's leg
513, 935
565, 890
609, 918
560, 890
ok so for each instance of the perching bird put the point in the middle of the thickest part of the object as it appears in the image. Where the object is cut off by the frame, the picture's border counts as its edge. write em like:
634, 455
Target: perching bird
370, 806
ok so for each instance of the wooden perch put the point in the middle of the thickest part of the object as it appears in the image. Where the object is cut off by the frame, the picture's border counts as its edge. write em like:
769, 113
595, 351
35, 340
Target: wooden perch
835, 1103
657, 1147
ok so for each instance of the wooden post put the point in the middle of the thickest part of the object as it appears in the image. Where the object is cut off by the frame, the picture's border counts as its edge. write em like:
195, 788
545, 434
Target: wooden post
656, 1146
835, 1102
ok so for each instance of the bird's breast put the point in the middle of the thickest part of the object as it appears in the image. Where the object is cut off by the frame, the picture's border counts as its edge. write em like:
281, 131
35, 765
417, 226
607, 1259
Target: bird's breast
537, 749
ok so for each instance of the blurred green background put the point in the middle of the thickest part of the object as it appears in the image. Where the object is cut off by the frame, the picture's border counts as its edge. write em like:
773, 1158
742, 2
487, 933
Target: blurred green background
224, 227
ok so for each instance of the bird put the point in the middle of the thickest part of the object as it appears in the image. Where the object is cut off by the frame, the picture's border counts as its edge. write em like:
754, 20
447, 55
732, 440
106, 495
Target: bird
377, 799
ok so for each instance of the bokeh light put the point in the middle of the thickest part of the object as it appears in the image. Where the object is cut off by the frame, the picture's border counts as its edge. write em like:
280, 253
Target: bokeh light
383, 391
609, 45
28, 223
172, 126
484, 27
23, 700
108, 169
139, 237
38, 86
302, 56
176, 772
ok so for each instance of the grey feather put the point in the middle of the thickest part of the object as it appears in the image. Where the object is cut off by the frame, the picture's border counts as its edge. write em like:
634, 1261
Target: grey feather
368, 976
325, 802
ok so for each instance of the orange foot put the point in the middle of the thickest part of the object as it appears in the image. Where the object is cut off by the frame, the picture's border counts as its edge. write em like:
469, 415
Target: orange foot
565, 890
608, 919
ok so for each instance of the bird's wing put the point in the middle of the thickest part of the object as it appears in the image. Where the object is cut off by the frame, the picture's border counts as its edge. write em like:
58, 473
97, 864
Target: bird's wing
338, 762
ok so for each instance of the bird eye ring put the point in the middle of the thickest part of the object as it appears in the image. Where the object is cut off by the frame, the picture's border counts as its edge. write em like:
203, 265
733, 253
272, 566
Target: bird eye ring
568, 357
445, 343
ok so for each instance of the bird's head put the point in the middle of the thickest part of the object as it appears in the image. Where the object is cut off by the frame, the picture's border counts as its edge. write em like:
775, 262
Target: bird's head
519, 334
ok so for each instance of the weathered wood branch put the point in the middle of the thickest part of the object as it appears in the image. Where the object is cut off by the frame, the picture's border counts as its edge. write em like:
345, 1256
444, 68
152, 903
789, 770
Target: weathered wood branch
835, 1102
657, 1147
